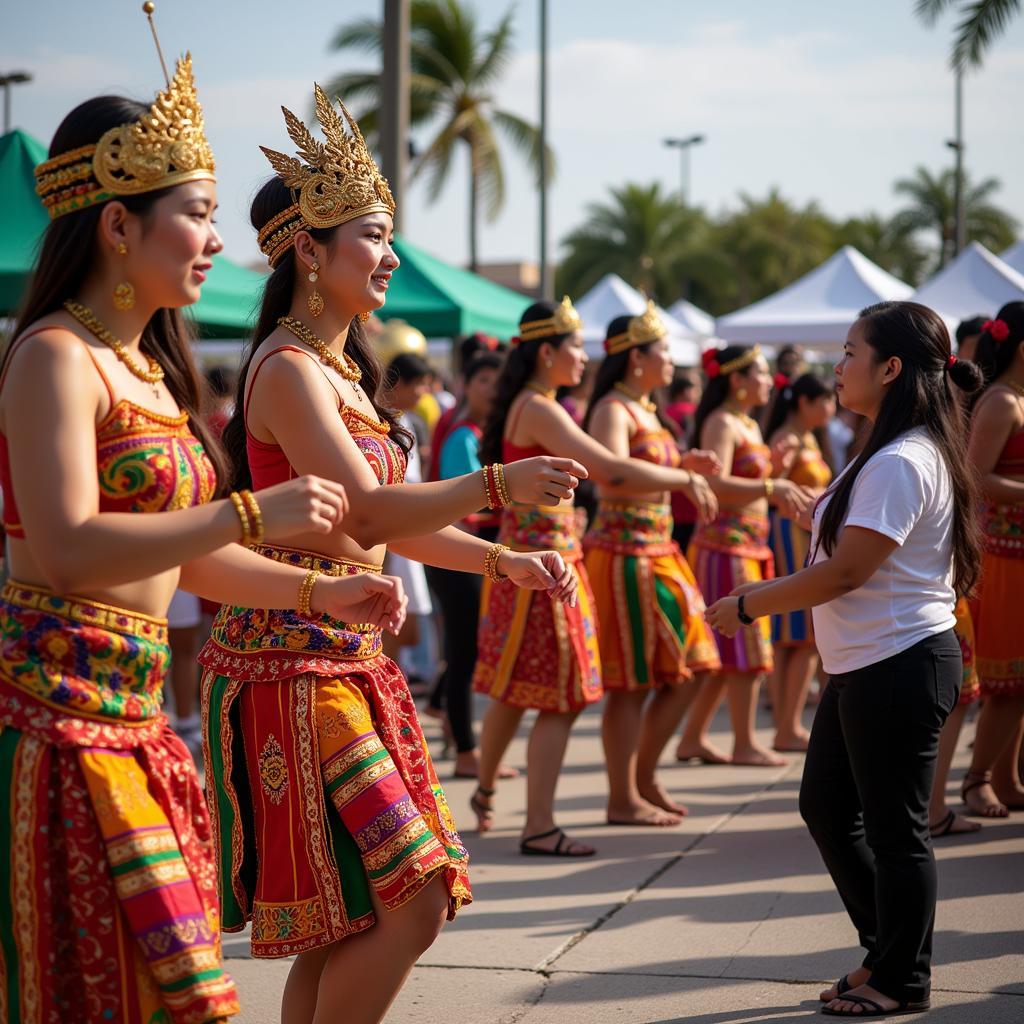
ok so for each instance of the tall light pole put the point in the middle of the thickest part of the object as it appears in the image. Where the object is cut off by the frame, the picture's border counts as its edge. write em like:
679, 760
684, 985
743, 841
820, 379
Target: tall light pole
684, 146
394, 109
543, 290
957, 145
11, 78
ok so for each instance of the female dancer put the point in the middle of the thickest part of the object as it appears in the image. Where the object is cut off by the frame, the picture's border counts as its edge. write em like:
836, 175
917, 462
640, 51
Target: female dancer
305, 719
532, 652
800, 408
106, 855
997, 449
734, 548
895, 539
653, 636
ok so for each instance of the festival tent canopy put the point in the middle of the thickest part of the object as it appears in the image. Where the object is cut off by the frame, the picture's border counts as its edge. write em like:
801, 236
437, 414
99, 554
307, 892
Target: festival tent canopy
612, 297
976, 283
818, 308
1014, 256
693, 318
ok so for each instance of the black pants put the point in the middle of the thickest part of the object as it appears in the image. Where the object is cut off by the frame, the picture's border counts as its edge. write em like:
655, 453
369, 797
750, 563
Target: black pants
865, 792
458, 594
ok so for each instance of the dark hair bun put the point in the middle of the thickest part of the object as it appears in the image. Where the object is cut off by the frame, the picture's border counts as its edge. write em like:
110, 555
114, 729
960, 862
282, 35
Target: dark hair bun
966, 376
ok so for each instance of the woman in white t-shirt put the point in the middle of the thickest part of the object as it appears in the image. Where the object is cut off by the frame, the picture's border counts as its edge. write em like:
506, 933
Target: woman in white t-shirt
895, 538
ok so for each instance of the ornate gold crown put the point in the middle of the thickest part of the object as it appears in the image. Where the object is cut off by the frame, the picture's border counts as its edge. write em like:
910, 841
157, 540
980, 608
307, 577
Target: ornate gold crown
642, 329
565, 320
336, 182
166, 146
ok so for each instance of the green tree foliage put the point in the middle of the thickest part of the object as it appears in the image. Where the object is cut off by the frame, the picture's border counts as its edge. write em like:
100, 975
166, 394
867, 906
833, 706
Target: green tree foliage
981, 22
455, 64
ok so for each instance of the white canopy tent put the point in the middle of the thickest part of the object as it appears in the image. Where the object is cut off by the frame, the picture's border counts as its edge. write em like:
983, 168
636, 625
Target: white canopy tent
976, 283
612, 297
693, 318
1014, 256
818, 308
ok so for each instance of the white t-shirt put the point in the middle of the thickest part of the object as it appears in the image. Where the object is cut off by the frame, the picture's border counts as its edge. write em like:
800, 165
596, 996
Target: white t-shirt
903, 492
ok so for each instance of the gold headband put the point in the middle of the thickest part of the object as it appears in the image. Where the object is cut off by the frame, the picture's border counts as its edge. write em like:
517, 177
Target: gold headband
645, 328
336, 182
564, 320
166, 146
713, 368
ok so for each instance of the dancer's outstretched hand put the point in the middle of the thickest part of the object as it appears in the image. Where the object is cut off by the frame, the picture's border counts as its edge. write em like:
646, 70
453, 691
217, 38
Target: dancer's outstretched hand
724, 617
540, 570
707, 463
367, 598
700, 494
544, 480
308, 504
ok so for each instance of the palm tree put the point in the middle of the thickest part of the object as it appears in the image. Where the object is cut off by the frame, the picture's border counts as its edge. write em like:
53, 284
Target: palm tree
640, 234
932, 209
454, 68
982, 21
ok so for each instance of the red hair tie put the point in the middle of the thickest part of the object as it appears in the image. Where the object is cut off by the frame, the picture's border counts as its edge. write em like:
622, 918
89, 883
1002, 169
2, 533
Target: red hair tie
999, 329
951, 362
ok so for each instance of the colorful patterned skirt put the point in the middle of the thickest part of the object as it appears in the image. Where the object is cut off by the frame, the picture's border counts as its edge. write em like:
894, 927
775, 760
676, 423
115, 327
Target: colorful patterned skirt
108, 894
534, 651
318, 776
999, 649
963, 630
790, 544
651, 614
725, 554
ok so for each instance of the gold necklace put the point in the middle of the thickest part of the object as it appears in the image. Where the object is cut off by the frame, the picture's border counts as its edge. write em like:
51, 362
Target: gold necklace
540, 389
641, 400
349, 369
747, 421
85, 316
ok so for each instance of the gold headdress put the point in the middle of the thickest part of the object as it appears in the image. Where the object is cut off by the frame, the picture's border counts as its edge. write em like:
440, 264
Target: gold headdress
336, 182
565, 320
166, 146
642, 329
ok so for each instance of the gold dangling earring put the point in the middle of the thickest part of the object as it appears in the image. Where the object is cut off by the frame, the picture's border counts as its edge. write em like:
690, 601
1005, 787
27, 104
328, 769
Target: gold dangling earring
315, 302
637, 372
363, 317
741, 394
124, 293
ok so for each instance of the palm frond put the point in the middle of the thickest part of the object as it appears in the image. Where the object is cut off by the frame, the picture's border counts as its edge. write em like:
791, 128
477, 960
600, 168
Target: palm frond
365, 34
525, 137
486, 162
983, 22
929, 11
499, 52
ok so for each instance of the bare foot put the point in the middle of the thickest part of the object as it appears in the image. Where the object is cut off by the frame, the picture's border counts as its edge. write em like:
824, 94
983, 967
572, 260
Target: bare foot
757, 756
851, 980
656, 794
979, 796
1011, 797
642, 815
794, 743
703, 752
949, 823
467, 766
842, 1004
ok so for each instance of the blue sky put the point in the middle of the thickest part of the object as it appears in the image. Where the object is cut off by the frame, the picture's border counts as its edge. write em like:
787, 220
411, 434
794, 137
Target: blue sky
828, 101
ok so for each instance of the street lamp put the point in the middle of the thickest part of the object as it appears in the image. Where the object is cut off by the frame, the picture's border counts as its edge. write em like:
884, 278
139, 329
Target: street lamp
12, 78
684, 150
957, 145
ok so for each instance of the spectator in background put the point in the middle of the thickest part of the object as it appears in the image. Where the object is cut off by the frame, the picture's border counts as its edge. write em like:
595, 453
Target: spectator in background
222, 382
790, 361
967, 334
683, 397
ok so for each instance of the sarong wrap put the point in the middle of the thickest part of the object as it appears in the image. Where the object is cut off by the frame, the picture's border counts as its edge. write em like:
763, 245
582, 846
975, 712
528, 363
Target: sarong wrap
108, 896
534, 651
318, 777
651, 614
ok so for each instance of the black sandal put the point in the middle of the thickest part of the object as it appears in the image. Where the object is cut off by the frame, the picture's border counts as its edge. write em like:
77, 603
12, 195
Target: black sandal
842, 985
869, 1008
973, 780
480, 809
558, 850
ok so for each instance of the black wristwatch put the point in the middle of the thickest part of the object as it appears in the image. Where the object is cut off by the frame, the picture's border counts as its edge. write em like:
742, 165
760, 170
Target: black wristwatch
741, 611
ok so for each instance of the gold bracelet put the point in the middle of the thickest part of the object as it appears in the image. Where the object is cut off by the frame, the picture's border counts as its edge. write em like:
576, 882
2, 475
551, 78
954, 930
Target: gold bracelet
306, 593
769, 488
243, 516
494, 552
500, 483
255, 516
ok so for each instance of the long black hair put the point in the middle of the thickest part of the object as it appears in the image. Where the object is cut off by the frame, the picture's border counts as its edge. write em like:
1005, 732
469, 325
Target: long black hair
995, 351
716, 389
278, 291
613, 369
518, 369
920, 396
787, 400
68, 253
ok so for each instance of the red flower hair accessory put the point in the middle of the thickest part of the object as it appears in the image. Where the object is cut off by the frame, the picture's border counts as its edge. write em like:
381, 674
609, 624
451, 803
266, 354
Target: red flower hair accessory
781, 381
999, 329
710, 362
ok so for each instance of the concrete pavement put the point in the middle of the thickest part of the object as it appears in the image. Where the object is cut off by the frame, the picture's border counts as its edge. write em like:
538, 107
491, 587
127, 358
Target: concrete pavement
727, 919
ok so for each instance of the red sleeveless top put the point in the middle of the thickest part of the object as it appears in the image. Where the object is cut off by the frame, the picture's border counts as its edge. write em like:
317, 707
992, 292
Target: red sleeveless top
145, 461
656, 446
269, 465
513, 452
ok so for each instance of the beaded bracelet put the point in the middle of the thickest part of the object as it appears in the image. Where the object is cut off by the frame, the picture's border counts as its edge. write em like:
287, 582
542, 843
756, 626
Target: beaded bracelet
769, 488
243, 517
255, 516
491, 489
306, 593
501, 484
494, 552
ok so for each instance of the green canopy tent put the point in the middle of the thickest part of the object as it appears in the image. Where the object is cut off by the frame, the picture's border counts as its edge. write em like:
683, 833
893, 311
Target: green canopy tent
230, 294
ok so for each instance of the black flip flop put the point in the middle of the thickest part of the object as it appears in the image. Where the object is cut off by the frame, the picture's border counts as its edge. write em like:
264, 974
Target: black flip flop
872, 1009
842, 985
558, 850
